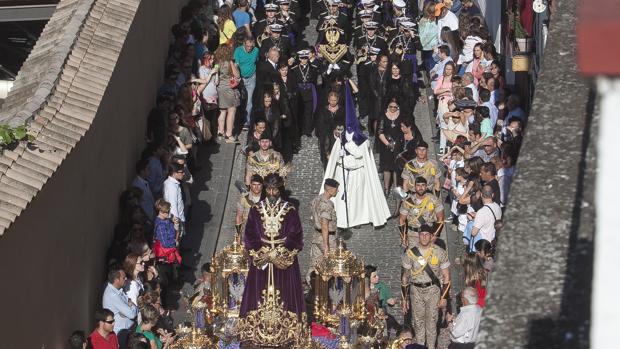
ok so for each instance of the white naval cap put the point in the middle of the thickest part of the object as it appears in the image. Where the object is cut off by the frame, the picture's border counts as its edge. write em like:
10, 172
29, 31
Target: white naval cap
371, 25
276, 27
399, 3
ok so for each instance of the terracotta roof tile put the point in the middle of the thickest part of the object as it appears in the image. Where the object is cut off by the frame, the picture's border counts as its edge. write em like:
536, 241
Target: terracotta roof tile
20, 177
72, 130
44, 64
7, 215
51, 140
4, 224
7, 206
79, 124
40, 161
51, 156
68, 71
14, 196
25, 171
9, 182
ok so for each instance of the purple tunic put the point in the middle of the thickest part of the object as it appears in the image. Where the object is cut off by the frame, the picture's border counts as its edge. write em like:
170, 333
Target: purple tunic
287, 281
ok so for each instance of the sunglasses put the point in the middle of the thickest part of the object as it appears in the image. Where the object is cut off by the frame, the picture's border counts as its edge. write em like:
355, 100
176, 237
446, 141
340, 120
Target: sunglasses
109, 321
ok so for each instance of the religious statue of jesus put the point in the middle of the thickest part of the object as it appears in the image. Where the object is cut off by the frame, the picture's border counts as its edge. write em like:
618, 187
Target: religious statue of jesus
273, 235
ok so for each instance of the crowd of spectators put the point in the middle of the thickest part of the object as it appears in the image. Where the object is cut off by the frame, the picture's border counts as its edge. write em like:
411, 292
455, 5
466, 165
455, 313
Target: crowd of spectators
216, 83
481, 125
144, 259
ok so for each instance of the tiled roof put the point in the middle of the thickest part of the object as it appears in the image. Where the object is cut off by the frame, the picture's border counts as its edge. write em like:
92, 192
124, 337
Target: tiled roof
39, 73
60, 95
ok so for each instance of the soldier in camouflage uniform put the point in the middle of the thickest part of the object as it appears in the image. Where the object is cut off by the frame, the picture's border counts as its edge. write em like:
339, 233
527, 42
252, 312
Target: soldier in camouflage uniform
265, 161
421, 166
247, 200
324, 218
419, 208
426, 271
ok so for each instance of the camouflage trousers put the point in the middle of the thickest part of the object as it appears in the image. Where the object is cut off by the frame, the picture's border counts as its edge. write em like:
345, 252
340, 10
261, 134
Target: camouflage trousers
425, 314
316, 249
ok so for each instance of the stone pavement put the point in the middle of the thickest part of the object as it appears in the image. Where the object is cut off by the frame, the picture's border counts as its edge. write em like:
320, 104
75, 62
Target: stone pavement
209, 194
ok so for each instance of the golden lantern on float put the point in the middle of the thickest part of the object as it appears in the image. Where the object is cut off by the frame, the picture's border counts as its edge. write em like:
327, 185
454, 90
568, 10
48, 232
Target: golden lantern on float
192, 338
230, 270
339, 288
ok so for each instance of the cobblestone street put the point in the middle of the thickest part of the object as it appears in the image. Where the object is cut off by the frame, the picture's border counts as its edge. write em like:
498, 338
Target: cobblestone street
379, 247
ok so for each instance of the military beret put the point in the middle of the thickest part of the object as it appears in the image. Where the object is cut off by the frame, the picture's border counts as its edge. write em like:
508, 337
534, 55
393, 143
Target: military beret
330, 182
256, 178
426, 228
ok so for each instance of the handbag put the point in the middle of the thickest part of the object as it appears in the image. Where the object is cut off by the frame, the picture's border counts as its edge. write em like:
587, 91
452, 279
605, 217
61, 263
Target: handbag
243, 92
234, 82
499, 224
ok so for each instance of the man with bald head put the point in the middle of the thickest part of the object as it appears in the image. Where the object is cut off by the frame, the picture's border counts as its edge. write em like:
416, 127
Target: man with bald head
484, 223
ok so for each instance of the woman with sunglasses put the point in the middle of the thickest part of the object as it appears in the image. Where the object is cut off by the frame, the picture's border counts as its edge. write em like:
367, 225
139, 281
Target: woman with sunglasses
133, 266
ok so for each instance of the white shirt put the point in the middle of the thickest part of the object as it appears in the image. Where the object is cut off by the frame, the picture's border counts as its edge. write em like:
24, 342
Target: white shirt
132, 289
485, 220
467, 54
449, 20
466, 324
438, 70
460, 189
210, 91
454, 164
172, 194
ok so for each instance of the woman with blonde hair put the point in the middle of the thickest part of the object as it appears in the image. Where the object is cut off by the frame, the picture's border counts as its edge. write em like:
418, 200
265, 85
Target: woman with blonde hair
428, 35
475, 276
227, 95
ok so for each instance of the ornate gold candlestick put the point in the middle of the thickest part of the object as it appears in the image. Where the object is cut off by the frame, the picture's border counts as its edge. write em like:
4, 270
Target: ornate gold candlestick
230, 269
339, 287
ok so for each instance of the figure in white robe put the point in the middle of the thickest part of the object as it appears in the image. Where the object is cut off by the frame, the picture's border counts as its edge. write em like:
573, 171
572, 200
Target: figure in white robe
365, 201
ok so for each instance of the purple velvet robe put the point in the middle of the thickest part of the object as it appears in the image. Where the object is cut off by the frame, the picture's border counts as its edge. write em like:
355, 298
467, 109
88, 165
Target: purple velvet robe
287, 281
